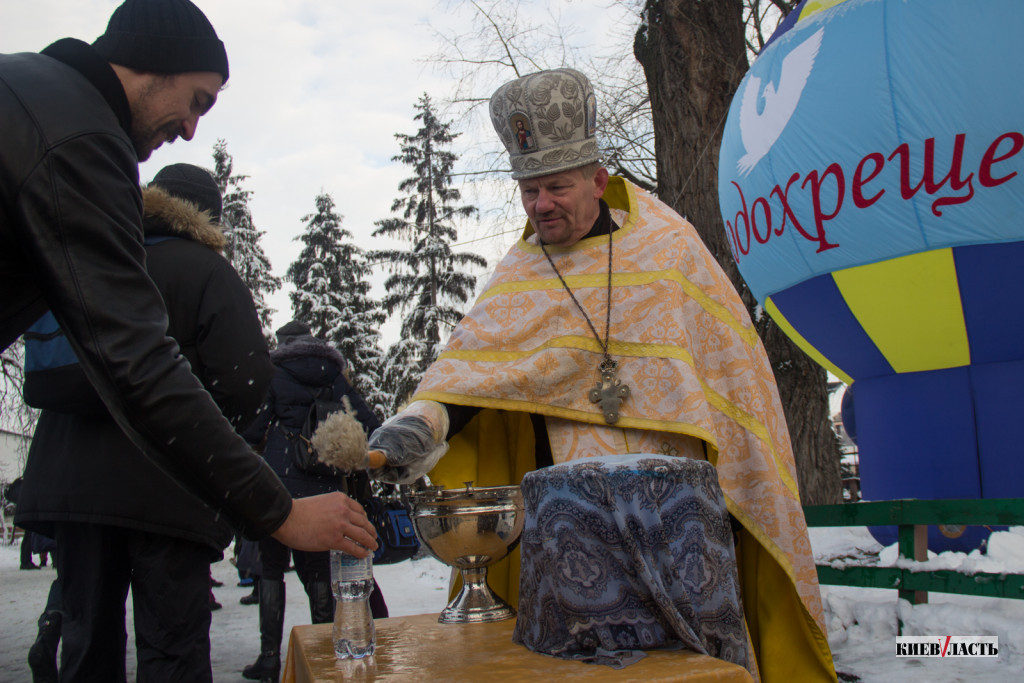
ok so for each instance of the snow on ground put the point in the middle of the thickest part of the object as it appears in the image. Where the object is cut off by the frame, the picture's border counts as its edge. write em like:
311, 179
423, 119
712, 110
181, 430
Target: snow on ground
861, 622
412, 587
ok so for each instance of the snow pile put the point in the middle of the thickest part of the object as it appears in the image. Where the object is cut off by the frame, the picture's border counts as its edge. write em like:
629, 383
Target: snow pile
862, 622
842, 547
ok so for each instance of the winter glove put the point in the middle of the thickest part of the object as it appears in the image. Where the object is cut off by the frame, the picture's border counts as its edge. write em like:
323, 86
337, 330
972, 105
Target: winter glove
412, 442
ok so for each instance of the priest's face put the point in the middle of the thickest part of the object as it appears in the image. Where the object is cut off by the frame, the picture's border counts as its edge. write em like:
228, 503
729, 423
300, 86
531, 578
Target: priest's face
562, 207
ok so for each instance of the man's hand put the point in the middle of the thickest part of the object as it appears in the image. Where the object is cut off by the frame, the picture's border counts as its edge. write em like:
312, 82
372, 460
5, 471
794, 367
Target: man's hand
332, 521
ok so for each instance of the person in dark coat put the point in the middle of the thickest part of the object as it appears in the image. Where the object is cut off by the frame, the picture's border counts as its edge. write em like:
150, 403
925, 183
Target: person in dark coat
305, 367
120, 520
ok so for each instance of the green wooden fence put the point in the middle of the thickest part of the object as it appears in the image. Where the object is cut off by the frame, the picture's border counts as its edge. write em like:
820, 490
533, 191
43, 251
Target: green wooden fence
912, 517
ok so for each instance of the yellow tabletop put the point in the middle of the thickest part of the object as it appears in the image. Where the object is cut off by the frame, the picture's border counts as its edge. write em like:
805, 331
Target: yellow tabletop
420, 649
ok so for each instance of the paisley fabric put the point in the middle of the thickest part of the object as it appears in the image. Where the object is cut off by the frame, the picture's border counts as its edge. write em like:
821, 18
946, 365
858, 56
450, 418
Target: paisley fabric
627, 553
700, 383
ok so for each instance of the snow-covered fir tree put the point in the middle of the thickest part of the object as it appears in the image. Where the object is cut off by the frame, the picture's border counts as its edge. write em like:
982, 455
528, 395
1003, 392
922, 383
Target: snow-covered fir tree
428, 277
243, 249
332, 296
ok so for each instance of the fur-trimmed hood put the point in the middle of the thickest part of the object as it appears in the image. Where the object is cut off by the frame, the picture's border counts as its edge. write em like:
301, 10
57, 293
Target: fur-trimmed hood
304, 364
306, 346
165, 214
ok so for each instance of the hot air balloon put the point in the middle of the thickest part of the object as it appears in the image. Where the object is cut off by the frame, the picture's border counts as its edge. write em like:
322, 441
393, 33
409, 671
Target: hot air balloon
871, 180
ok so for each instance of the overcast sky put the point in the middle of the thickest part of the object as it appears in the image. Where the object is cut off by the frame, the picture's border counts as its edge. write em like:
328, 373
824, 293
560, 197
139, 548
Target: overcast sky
318, 89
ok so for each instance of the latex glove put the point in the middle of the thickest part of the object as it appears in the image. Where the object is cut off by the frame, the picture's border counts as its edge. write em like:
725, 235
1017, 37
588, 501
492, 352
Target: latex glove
412, 442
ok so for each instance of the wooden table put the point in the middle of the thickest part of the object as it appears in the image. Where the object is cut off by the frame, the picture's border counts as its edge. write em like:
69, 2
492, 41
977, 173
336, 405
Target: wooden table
418, 648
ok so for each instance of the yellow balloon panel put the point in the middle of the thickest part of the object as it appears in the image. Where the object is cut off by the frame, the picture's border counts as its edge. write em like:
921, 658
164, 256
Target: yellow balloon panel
910, 308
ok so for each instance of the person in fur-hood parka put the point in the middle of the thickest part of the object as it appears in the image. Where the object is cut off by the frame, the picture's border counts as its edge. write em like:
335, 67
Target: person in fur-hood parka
128, 514
184, 201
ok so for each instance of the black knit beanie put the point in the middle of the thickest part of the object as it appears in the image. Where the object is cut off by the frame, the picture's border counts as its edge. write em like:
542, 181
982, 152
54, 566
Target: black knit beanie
162, 36
291, 331
193, 184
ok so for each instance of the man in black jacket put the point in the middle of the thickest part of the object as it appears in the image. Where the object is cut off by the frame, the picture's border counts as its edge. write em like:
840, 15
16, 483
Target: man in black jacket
77, 119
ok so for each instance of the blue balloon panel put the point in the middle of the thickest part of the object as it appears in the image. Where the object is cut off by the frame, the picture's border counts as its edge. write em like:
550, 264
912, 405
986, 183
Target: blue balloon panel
872, 130
990, 277
916, 436
919, 435
913, 433
998, 406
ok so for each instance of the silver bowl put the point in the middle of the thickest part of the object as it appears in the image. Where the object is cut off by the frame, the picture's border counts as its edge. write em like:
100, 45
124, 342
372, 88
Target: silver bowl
470, 529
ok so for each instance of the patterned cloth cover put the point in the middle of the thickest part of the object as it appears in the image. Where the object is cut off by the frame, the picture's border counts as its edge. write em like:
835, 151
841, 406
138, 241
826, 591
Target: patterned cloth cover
628, 552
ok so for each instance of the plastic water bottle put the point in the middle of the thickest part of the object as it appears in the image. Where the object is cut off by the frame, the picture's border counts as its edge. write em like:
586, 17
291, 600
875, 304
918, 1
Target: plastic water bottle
352, 583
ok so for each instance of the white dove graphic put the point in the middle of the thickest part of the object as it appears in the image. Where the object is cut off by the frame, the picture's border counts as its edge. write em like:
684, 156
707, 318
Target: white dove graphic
760, 131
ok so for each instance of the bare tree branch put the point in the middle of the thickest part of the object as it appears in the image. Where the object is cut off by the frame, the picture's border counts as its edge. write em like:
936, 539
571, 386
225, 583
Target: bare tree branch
507, 40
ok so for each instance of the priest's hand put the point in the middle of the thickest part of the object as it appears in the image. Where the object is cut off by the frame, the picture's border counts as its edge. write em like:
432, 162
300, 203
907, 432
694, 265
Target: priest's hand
331, 521
409, 444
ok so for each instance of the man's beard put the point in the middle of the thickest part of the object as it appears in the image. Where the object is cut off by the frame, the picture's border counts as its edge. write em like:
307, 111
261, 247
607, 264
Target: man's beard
145, 141
144, 136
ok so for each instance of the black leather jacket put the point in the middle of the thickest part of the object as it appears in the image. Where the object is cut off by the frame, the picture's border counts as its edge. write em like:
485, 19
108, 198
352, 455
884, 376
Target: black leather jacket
71, 241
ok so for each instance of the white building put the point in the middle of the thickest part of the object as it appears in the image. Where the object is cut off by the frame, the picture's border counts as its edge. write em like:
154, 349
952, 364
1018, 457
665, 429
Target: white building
13, 451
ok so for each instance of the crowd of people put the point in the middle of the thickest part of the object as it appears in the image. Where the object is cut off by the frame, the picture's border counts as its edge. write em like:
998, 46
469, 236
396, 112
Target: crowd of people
167, 425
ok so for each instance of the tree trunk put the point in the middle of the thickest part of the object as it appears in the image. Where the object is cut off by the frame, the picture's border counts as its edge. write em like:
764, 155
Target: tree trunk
694, 55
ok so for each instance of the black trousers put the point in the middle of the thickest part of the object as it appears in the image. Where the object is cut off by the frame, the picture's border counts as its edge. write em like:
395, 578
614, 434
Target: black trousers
170, 584
274, 556
26, 549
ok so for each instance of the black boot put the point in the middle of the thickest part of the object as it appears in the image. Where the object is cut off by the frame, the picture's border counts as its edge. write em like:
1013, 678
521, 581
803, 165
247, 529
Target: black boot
268, 666
42, 656
321, 602
252, 598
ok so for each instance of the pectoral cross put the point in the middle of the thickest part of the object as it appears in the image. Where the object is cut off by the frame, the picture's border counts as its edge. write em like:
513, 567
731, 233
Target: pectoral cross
610, 392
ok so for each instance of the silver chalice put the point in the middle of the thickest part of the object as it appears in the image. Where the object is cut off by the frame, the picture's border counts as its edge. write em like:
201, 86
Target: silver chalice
470, 529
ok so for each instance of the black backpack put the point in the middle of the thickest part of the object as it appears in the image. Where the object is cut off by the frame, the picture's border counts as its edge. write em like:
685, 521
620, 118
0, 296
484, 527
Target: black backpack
383, 502
304, 455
